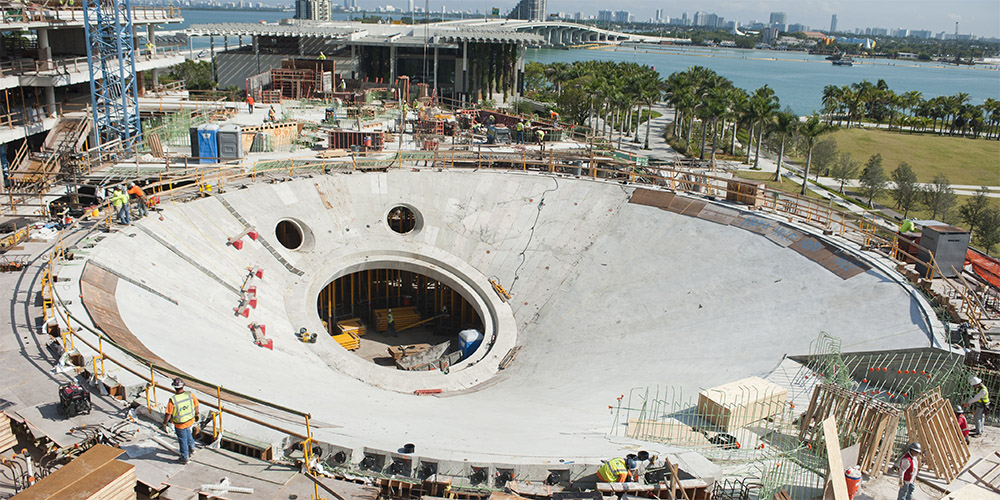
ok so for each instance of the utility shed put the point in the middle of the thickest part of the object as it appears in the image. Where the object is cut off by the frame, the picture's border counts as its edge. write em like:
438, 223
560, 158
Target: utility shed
736, 404
95, 475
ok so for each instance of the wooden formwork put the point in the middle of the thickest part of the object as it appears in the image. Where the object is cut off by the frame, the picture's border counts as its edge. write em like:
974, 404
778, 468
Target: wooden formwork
874, 423
94, 475
7, 438
931, 422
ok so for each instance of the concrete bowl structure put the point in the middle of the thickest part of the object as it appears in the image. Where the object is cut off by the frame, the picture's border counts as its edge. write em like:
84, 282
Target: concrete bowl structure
607, 295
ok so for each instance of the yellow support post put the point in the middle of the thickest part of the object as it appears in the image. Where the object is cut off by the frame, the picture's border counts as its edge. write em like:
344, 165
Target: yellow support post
217, 428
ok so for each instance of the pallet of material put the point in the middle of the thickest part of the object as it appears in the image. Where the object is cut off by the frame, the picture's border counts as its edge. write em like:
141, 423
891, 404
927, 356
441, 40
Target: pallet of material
349, 341
352, 325
403, 317
7, 438
400, 351
737, 404
95, 475
931, 422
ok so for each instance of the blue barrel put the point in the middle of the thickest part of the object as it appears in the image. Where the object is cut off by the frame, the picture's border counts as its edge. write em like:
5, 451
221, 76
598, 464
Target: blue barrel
208, 143
468, 342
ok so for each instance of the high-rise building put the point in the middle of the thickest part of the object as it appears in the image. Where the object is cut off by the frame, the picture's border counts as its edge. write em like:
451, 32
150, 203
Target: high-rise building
529, 10
833, 23
410, 7
623, 16
778, 18
605, 16
316, 10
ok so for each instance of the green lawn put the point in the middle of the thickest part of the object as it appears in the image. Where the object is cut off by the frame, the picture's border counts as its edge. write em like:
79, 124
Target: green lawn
768, 178
964, 161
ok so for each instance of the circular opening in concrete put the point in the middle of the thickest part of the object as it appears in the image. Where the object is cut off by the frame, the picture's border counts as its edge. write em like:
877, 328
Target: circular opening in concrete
427, 318
402, 219
289, 234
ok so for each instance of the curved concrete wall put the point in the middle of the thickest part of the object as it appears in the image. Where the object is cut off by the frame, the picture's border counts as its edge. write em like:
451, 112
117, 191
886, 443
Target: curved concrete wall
607, 295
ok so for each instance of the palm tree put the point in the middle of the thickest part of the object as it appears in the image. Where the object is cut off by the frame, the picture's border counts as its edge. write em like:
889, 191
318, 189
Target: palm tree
832, 101
765, 105
954, 107
810, 130
651, 92
784, 126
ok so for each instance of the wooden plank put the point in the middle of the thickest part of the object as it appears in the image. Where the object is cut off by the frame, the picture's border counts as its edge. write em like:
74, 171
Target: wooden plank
836, 465
95, 471
7, 438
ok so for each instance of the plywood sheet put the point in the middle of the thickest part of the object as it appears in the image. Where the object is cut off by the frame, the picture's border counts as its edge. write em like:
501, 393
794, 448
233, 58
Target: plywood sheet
651, 198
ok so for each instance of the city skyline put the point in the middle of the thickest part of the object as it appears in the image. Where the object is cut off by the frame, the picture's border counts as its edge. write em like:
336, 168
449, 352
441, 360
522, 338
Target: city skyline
981, 17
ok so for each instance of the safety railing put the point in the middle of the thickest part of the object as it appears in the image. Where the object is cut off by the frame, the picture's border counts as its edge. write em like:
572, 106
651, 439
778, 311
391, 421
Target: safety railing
226, 401
27, 116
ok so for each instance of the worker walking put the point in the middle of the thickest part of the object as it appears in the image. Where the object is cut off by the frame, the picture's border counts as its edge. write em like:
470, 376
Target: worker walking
250, 103
978, 403
963, 423
908, 466
182, 411
520, 131
616, 470
392, 324
119, 201
140, 198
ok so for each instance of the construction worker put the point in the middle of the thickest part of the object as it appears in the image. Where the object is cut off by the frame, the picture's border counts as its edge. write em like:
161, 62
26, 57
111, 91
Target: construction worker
322, 56
392, 324
182, 411
119, 200
272, 115
555, 118
140, 198
979, 402
540, 134
520, 131
963, 423
250, 103
616, 470
908, 466
906, 226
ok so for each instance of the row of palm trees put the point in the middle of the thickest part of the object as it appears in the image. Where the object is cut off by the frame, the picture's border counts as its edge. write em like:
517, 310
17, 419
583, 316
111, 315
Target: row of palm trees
876, 102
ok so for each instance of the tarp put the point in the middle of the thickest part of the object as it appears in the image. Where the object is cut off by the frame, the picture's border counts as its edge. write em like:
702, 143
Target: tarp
984, 266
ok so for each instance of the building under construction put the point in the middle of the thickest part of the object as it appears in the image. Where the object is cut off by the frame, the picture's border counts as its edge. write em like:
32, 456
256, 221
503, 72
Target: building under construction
381, 293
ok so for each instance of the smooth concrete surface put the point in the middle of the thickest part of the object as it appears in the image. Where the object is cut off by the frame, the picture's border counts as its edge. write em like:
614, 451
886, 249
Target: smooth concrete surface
607, 296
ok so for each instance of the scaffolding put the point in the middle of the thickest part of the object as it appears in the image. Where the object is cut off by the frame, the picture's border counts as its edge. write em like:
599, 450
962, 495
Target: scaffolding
111, 59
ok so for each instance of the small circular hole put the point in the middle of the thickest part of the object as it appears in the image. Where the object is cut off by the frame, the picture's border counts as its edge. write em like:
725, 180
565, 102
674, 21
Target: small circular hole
289, 234
401, 219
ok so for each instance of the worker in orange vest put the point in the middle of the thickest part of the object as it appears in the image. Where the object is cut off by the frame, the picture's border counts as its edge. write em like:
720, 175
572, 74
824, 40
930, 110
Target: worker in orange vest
250, 103
140, 198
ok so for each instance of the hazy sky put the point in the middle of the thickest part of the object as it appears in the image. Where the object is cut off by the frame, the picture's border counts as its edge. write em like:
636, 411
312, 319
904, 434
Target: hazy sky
981, 17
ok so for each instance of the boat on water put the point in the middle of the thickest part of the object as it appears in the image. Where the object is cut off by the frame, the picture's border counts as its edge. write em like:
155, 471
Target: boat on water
844, 61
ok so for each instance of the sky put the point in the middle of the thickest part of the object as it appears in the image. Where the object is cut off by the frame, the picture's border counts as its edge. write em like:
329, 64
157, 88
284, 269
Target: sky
981, 17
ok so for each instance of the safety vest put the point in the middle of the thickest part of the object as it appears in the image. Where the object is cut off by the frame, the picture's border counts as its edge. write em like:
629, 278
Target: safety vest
909, 465
611, 470
986, 396
520, 126
389, 318
183, 407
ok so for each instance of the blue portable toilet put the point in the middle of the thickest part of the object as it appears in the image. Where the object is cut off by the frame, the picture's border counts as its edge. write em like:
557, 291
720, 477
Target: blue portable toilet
208, 143
468, 342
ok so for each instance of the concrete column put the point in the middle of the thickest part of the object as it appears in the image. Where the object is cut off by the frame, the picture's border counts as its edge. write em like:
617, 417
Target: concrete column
225, 43
256, 52
140, 83
354, 62
151, 38
44, 50
392, 63
156, 78
50, 101
211, 46
464, 85
438, 94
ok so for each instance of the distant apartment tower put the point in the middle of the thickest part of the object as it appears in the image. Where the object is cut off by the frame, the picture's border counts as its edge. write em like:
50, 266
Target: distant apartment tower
316, 10
410, 6
769, 35
605, 16
797, 27
528, 10
778, 18
623, 16
833, 23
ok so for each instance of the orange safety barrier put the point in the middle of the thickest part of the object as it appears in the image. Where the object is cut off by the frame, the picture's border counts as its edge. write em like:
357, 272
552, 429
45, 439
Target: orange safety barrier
984, 266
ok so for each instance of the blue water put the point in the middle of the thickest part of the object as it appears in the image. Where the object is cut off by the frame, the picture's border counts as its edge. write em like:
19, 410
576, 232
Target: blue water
797, 78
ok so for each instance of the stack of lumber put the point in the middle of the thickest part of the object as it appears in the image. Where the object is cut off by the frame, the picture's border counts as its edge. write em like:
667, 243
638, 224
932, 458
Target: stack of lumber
400, 351
931, 422
7, 438
352, 325
737, 404
861, 420
989, 471
403, 316
95, 475
349, 340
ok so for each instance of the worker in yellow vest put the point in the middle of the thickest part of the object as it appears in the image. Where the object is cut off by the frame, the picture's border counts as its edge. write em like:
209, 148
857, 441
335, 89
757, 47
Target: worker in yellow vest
182, 411
616, 470
979, 403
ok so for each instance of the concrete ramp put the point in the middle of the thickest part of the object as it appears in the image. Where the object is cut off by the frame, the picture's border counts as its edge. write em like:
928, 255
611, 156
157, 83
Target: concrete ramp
606, 295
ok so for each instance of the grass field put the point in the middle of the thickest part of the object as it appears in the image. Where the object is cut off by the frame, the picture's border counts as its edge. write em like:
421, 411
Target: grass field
964, 161
768, 178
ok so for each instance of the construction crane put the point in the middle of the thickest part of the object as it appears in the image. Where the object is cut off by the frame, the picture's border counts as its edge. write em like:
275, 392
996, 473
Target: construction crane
114, 96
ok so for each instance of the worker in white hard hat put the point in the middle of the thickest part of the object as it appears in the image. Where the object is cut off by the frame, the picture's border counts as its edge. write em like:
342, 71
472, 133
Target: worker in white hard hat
909, 464
978, 403
182, 411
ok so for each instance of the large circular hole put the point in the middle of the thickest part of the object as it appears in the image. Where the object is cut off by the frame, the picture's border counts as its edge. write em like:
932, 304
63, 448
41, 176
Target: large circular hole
289, 234
428, 317
401, 219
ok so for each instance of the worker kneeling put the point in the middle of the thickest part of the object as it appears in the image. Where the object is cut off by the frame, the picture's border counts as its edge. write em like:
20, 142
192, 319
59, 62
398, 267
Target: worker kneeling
617, 470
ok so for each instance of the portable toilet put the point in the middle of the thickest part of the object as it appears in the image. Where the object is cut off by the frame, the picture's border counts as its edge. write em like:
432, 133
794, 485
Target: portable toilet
231, 142
208, 143
468, 342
